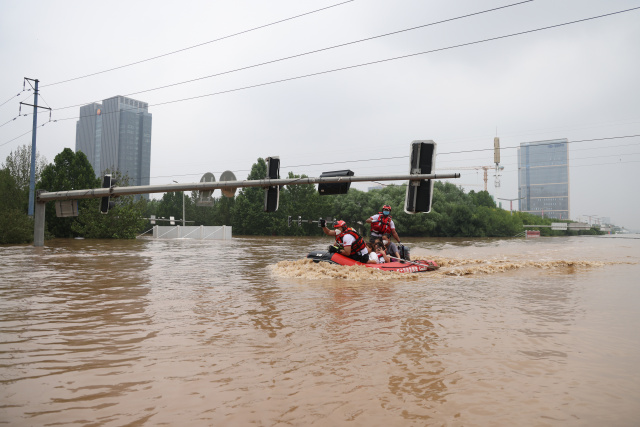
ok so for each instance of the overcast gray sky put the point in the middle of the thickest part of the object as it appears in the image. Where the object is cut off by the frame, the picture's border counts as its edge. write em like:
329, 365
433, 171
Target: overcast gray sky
578, 81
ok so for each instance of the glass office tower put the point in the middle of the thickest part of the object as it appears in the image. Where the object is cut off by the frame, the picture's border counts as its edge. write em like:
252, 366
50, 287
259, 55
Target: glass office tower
116, 135
543, 178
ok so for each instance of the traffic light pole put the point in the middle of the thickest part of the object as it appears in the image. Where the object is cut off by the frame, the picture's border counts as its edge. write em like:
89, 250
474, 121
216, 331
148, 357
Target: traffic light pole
96, 193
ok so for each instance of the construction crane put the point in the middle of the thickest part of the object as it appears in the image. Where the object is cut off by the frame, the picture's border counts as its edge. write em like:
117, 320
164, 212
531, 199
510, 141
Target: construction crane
484, 168
497, 168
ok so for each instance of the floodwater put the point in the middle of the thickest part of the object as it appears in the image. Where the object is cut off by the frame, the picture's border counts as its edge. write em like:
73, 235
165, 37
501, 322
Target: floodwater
538, 332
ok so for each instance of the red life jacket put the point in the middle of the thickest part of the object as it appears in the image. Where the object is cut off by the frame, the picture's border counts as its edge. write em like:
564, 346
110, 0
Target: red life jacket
357, 246
383, 226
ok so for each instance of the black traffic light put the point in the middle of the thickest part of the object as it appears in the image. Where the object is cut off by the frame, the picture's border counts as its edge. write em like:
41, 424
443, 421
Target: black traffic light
289, 220
272, 193
105, 203
420, 193
335, 188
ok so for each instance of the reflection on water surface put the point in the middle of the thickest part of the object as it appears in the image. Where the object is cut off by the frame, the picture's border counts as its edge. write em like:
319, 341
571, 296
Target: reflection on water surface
506, 332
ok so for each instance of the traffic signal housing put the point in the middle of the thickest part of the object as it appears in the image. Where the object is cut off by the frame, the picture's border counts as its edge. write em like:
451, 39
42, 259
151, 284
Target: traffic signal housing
335, 188
105, 202
420, 193
272, 193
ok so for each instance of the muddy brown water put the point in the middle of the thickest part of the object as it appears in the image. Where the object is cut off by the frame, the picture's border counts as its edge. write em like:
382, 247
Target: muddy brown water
247, 332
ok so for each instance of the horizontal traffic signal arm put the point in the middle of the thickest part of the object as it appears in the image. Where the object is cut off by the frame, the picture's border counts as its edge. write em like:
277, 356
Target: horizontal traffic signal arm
44, 196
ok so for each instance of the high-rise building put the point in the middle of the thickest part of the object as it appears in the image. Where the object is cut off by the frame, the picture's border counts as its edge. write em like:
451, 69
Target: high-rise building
116, 135
543, 178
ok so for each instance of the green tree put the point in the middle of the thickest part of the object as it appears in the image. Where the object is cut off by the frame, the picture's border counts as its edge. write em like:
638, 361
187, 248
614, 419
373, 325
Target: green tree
18, 163
123, 221
15, 225
482, 198
171, 205
248, 210
69, 171
301, 201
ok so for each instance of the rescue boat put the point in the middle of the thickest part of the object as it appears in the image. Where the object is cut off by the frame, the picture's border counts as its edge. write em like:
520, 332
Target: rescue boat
417, 266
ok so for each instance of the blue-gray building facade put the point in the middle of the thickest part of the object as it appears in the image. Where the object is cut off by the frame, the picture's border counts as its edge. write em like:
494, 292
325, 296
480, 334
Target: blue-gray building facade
116, 135
543, 178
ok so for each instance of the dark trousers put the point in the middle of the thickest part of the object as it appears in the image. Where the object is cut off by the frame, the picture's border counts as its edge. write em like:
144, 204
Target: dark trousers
359, 257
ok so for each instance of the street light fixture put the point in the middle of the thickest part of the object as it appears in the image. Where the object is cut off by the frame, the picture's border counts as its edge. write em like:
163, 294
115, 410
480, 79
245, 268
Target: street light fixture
183, 218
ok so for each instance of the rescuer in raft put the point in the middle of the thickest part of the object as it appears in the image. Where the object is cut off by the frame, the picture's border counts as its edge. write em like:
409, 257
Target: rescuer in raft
382, 224
348, 242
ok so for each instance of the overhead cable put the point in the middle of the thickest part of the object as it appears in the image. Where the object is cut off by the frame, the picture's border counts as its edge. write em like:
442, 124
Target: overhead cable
385, 60
453, 152
198, 45
290, 167
310, 52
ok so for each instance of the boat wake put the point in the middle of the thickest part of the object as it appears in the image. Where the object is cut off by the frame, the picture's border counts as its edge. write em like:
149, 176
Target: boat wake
466, 267
307, 269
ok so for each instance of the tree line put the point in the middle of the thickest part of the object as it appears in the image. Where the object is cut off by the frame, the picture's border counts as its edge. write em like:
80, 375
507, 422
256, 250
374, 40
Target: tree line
454, 212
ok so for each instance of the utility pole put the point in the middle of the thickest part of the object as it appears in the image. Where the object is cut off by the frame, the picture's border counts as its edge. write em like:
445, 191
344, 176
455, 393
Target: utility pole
32, 179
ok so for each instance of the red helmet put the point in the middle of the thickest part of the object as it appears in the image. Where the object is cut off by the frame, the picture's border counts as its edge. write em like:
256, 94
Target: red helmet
386, 207
340, 224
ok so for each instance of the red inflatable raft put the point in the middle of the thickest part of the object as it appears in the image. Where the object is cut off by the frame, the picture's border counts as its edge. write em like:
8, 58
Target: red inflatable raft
401, 267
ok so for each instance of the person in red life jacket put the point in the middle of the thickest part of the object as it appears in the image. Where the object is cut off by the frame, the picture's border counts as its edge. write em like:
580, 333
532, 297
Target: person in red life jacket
382, 224
349, 242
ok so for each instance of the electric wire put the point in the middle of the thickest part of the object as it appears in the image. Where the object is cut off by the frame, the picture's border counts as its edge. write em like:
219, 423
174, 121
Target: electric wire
510, 171
381, 60
26, 114
366, 64
26, 133
9, 121
199, 45
545, 163
573, 150
454, 152
310, 52
11, 99
292, 167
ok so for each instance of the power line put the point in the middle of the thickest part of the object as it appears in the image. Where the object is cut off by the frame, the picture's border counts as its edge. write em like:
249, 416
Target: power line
10, 120
537, 145
574, 149
311, 52
372, 62
247, 170
198, 45
290, 167
545, 163
10, 99
451, 152
28, 132
377, 62
384, 60
19, 136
